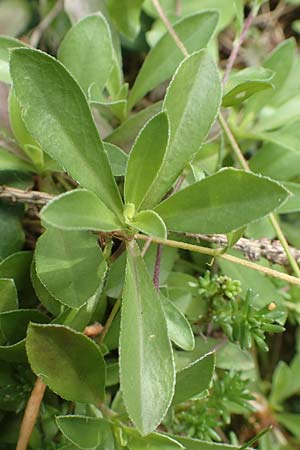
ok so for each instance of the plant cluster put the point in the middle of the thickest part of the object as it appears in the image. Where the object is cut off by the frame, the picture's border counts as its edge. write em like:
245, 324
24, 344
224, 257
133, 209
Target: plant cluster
129, 138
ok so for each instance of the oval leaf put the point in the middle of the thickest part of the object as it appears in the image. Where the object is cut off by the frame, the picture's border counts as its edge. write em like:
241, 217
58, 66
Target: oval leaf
84, 432
70, 265
80, 210
53, 353
191, 115
195, 32
146, 361
194, 379
179, 328
87, 52
137, 181
56, 113
149, 222
222, 202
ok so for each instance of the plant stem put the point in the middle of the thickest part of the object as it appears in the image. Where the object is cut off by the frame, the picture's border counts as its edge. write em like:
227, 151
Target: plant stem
44, 24
157, 266
217, 254
236, 47
110, 319
170, 28
31, 413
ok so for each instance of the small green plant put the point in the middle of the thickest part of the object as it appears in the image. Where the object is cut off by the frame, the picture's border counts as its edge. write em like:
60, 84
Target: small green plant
117, 328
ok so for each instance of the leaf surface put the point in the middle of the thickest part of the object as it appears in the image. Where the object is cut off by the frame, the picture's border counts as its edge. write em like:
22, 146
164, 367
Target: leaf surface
56, 113
191, 115
84, 432
87, 52
222, 202
195, 32
53, 352
70, 265
146, 361
80, 210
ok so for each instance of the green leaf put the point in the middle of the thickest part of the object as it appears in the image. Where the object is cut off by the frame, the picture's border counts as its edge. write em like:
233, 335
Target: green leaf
46, 299
6, 43
149, 222
15, 16
11, 228
14, 324
125, 135
191, 115
56, 113
291, 422
24, 138
195, 444
117, 159
146, 362
70, 265
244, 83
276, 162
179, 328
139, 182
222, 202
8, 295
84, 432
87, 52
9, 161
126, 16
55, 350
194, 379
293, 202
153, 441
194, 31
285, 382
80, 210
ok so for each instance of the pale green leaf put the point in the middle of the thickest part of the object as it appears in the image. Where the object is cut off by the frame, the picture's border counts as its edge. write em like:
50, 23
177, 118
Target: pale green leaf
191, 115
9, 161
293, 203
194, 31
138, 181
117, 159
80, 210
222, 202
126, 16
195, 444
149, 222
194, 379
55, 350
84, 432
179, 328
87, 52
146, 361
125, 135
56, 113
8, 295
15, 16
70, 265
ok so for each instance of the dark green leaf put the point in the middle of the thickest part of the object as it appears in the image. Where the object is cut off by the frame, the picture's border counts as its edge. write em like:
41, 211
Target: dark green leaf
67, 361
179, 328
194, 379
84, 432
8, 295
56, 113
146, 362
80, 210
139, 182
191, 115
70, 265
222, 202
